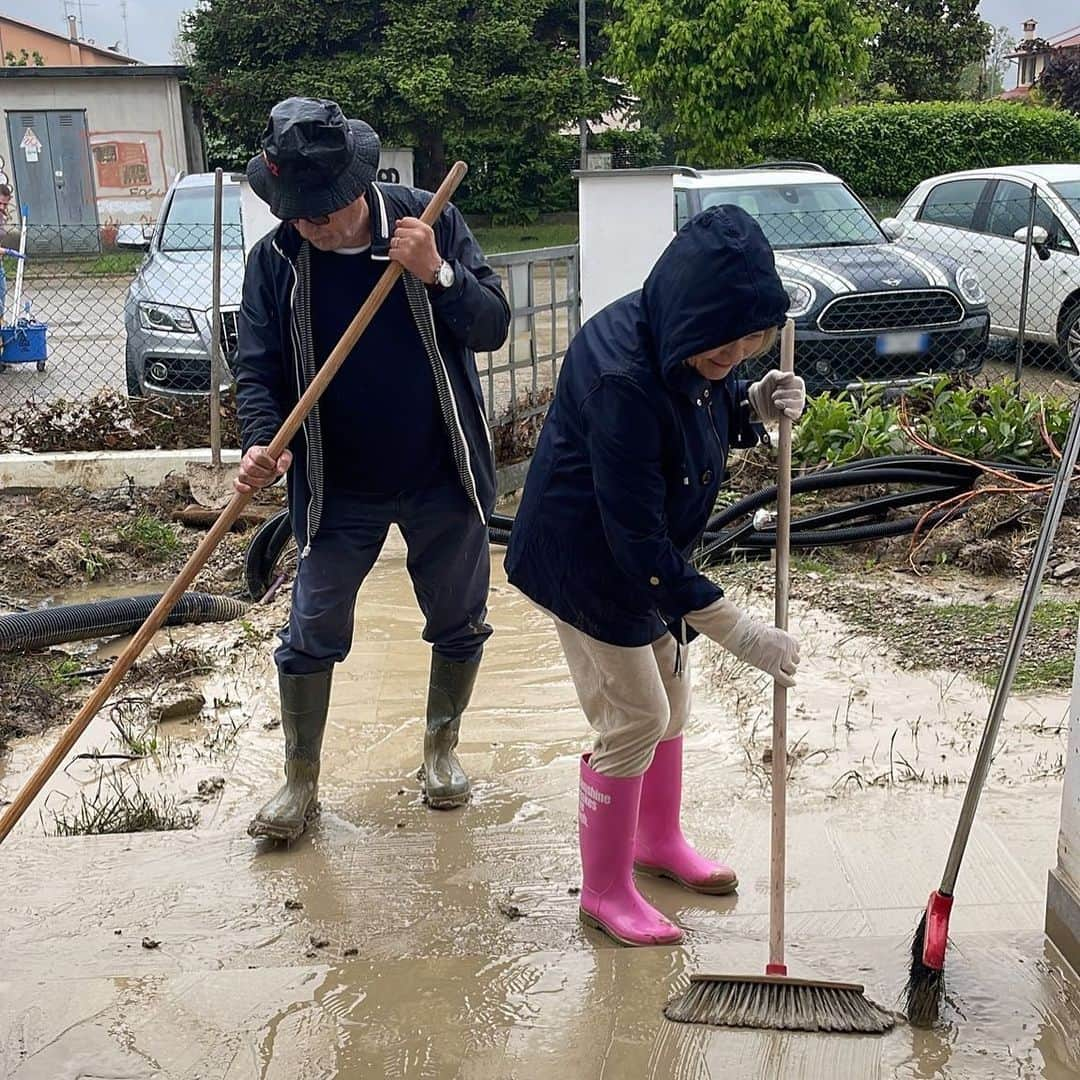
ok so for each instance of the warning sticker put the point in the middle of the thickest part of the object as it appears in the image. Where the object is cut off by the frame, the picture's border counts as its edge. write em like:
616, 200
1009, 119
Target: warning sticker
30, 145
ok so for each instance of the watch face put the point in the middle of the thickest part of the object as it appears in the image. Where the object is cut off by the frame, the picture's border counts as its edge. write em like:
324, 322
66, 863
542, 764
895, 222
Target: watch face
446, 275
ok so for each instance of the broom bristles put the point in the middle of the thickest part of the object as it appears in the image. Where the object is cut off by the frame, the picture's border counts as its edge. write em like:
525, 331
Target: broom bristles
778, 1005
925, 985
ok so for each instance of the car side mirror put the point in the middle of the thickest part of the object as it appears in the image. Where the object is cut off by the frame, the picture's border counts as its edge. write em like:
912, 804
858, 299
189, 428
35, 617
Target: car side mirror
892, 227
132, 237
1039, 236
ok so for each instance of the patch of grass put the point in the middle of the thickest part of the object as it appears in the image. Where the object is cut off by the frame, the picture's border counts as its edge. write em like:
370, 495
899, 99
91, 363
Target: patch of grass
965, 637
150, 537
807, 564
116, 807
497, 239
113, 263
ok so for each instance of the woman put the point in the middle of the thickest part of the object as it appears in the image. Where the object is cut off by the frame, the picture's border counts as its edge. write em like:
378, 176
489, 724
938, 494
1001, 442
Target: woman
625, 475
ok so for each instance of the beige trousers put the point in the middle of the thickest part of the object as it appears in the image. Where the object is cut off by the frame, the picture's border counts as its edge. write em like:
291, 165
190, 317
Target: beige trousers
631, 696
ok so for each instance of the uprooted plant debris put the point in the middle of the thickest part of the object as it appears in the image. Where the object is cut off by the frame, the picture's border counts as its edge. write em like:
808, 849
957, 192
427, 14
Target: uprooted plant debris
113, 421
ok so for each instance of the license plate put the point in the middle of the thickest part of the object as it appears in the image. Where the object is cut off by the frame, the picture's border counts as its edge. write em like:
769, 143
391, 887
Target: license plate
906, 343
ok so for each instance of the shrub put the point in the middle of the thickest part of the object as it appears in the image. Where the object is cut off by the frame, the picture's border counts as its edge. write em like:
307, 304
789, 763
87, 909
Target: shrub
997, 422
888, 149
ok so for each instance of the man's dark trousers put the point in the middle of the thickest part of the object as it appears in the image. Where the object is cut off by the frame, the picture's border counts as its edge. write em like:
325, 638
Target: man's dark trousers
448, 562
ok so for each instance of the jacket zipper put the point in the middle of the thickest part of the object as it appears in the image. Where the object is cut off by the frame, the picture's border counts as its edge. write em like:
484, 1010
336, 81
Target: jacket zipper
425, 322
294, 334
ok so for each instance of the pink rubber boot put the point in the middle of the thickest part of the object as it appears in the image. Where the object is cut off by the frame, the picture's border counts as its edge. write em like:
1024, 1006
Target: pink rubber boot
607, 819
660, 849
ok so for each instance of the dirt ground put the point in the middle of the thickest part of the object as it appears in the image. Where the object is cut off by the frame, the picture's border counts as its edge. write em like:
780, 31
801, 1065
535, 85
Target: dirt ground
398, 942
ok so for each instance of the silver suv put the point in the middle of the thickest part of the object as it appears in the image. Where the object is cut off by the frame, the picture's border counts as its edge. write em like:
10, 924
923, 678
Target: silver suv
167, 312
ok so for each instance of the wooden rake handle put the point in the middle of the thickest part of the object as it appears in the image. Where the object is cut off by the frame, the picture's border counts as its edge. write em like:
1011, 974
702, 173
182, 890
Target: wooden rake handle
778, 862
224, 523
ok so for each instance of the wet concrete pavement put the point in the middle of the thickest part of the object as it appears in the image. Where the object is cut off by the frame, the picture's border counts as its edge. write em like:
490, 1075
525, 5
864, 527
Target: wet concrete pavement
469, 960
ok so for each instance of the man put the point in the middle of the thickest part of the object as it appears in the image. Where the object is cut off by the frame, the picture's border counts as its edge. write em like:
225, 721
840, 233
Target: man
400, 438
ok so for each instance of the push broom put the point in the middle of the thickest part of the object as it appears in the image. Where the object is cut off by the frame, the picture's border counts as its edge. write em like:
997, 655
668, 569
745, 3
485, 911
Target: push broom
926, 976
774, 1000
224, 523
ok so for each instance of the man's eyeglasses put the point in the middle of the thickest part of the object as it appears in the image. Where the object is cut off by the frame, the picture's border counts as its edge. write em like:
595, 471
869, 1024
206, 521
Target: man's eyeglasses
323, 220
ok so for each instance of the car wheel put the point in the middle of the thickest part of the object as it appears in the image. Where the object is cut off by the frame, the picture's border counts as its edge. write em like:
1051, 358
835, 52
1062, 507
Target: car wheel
134, 386
1069, 340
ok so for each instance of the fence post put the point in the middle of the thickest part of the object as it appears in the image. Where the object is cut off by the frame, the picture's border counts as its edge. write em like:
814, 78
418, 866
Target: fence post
1021, 330
215, 332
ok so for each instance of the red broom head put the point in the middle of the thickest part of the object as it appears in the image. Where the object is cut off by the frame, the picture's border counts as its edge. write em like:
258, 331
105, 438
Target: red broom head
937, 930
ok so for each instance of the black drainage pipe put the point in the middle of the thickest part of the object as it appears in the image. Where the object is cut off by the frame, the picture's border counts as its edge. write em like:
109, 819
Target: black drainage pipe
108, 618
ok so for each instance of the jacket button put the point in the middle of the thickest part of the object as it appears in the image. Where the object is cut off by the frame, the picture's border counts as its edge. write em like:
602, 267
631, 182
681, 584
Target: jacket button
654, 581
705, 394
699, 401
706, 476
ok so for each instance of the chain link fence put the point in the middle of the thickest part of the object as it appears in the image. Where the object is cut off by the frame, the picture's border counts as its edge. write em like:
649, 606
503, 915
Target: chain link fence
963, 290
100, 346
986, 288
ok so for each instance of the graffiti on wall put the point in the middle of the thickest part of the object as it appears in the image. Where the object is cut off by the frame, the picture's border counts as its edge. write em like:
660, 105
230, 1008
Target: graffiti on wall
3, 171
129, 175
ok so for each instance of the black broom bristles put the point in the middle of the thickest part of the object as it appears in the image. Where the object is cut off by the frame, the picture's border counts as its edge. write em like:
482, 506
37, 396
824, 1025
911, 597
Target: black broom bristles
728, 1001
925, 985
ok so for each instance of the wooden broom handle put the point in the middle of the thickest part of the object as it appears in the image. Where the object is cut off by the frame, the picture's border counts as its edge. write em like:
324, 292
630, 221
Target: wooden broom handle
286, 433
777, 874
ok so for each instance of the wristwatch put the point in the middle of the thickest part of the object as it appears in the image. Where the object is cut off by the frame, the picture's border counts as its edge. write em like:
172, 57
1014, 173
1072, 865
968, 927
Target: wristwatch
444, 277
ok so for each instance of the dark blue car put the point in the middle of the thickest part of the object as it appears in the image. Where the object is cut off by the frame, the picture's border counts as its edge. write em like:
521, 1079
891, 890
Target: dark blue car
866, 310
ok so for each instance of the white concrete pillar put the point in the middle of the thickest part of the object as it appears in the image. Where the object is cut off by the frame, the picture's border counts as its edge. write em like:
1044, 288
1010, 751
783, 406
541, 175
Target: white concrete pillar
1063, 889
626, 217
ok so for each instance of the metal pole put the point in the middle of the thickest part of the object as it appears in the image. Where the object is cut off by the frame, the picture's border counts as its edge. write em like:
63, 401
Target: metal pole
215, 332
1021, 331
584, 127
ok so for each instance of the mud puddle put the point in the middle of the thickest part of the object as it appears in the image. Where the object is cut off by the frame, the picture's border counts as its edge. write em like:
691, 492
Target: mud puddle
397, 942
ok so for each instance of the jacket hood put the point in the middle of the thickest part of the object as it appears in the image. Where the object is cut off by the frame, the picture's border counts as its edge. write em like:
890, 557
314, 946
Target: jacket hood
714, 283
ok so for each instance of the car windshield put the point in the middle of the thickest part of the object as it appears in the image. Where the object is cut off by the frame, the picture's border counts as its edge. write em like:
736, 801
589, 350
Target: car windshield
190, 223
802, 215
1069, 190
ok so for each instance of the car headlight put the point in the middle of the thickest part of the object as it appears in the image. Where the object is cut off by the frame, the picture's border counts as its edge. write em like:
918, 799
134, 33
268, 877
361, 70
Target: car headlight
801, 297
165, 318
967, 282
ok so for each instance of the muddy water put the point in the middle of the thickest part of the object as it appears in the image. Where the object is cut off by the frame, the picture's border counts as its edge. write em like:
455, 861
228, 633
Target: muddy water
469, 960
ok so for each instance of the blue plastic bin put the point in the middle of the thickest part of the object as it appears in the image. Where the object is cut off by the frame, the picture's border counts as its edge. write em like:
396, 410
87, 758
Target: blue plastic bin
24, 343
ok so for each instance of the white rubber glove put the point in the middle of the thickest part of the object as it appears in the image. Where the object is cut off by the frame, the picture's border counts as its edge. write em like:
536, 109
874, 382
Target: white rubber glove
754, 642
777, 394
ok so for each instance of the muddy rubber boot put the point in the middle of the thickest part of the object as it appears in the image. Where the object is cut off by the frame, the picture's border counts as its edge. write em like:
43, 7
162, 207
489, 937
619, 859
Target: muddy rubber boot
607, 822
304, 703
660, 849
449, 690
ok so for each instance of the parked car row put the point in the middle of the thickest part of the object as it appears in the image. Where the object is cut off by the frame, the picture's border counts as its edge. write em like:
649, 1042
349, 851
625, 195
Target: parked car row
919, 293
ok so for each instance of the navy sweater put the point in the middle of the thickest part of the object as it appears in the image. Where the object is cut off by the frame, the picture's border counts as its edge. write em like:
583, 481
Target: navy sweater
382, 429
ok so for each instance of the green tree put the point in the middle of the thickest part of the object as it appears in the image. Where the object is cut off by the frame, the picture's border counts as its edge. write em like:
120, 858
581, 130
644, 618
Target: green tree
984, 79
425, 73
709, 74
924, 46
1059, 82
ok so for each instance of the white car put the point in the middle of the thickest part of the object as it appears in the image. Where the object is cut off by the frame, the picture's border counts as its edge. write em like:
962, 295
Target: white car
981, 217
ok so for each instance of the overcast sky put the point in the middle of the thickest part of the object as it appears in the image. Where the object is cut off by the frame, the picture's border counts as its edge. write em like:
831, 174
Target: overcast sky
152, 23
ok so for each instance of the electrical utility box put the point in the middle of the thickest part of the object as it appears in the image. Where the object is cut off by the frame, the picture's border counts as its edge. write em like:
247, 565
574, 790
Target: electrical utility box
626, 217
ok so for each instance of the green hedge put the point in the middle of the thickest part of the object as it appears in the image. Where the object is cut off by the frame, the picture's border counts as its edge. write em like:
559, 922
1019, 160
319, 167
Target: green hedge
516, 180
887, 150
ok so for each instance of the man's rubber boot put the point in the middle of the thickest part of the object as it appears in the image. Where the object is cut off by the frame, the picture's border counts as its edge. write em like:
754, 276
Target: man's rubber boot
449, 690
607, 822
304, 703
660, 849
